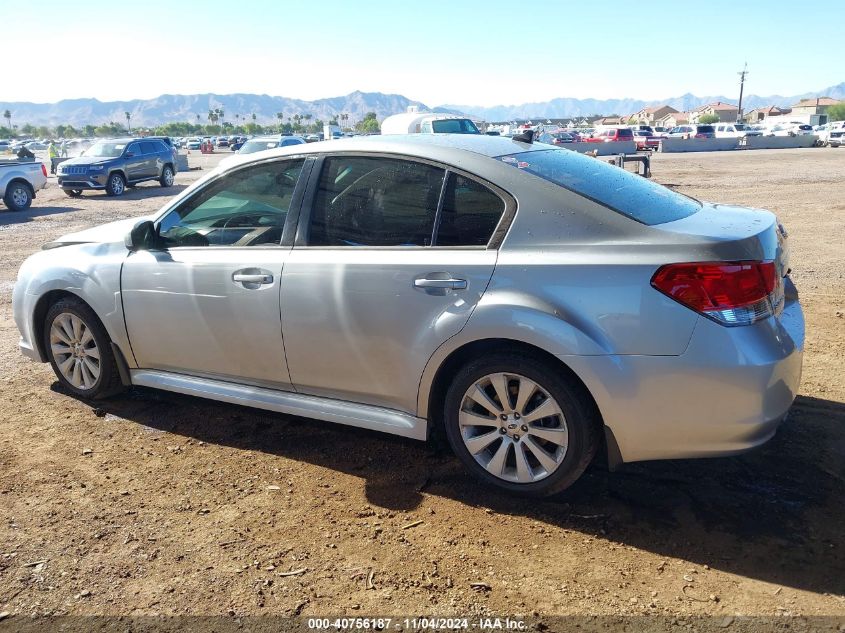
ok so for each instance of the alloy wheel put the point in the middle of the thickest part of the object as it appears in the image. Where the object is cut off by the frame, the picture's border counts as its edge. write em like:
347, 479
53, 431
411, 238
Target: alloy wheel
513, 428
20, 196
75, 350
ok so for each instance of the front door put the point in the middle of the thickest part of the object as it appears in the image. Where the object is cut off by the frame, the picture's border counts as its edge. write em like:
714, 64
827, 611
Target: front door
206, 302
372, 289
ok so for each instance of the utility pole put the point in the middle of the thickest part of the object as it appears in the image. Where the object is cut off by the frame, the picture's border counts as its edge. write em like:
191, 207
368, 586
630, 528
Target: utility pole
741, 87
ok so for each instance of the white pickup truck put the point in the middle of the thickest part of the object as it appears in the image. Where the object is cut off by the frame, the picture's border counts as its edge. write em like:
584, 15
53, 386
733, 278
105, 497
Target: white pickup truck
19, 180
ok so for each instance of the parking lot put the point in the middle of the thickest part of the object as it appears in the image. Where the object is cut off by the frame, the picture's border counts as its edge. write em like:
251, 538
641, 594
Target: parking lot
155, 502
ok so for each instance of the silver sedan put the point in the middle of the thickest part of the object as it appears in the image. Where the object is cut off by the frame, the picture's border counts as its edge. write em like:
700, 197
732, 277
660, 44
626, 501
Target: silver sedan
536, 305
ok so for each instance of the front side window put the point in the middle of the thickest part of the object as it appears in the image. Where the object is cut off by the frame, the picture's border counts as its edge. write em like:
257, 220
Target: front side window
247, 207
134, 149
375, 202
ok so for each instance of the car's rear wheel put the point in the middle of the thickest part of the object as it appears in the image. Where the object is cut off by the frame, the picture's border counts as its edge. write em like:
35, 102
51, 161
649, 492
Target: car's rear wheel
73, 193
167, 177
116, 185
520, 424
18, 197
79, 350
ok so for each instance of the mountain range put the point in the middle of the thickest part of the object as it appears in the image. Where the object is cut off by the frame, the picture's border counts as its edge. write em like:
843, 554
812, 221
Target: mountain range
237, 107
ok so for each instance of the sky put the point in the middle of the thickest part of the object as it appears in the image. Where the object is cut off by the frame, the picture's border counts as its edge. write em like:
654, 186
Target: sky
462, 52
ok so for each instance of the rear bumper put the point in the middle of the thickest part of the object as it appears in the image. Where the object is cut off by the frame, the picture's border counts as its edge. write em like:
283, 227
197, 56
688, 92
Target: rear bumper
726, 394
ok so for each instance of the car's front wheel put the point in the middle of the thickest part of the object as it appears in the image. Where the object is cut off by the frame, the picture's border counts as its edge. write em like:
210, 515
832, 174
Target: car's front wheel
79, 350
167, 177
520, 424
18, 197
116, 185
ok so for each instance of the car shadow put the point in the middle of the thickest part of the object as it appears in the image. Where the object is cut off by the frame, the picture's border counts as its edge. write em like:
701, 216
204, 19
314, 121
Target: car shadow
142, 191
774, 514
19, 217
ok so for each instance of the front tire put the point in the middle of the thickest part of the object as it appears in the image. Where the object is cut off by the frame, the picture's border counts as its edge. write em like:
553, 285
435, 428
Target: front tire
18, 197
167, 176
116, 185
79, 350
519, 424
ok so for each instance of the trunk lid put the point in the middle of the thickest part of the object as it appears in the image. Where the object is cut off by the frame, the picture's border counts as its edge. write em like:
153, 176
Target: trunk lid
734, 233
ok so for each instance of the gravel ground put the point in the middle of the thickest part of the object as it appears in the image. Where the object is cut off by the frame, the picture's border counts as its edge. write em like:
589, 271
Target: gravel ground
157, 503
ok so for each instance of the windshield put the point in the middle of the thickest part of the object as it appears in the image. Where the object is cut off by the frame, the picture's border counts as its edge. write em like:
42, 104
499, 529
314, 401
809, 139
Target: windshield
258, 145
706, 129
629, 194
106, 149
454, 126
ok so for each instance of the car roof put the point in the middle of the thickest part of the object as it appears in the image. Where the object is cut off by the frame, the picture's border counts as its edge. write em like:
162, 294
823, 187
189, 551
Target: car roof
442, 147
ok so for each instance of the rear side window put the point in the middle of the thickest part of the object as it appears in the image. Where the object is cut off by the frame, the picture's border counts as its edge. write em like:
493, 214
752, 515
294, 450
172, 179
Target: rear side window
148, 147
633, 196
375, 202
469, 215
455, 126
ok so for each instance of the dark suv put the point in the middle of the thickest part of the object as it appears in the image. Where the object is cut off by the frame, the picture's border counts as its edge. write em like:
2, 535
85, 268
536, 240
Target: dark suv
116, 164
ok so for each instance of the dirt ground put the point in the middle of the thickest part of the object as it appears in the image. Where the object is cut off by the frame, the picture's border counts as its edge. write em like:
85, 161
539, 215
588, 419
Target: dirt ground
157, 503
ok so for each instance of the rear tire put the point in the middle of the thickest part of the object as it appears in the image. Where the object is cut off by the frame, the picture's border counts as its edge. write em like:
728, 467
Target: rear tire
18, 197
79, 350
517, 447
116, 185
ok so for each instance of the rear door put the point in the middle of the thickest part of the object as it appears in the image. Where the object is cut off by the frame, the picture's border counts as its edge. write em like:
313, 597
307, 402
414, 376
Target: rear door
137, 164
371, 288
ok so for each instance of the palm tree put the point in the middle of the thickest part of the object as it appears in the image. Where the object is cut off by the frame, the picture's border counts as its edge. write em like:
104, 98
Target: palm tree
281, 117
254, 117
221, 114
7, 114
128, 117
212, 117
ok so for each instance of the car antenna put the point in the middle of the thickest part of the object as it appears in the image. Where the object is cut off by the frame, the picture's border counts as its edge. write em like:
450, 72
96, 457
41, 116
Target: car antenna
526, 137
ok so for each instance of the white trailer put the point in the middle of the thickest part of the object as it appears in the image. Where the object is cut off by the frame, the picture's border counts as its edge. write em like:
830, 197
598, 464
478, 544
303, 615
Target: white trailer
415, 122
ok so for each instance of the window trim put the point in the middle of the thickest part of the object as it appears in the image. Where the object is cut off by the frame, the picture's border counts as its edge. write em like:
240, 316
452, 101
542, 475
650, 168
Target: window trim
496, 238
290, 219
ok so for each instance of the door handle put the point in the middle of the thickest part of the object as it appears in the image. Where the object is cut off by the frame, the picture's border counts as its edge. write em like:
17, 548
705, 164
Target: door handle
447, 284
244, 278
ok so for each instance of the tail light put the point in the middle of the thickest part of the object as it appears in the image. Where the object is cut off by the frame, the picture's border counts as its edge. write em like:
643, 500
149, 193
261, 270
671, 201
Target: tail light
730, 293
43, 170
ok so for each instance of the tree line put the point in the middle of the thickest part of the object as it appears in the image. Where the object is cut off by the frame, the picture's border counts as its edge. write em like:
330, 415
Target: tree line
216, 125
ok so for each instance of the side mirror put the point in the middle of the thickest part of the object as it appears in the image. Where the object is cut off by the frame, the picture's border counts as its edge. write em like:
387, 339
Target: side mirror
129, 154
142, 237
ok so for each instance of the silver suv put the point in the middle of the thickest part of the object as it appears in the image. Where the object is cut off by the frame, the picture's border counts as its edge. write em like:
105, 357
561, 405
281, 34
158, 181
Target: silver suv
537, 305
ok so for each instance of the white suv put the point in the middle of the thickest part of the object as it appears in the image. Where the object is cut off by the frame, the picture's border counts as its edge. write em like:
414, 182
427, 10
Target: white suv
735, 130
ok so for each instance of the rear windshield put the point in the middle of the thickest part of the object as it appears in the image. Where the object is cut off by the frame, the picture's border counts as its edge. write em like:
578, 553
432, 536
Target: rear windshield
706, 129
624, 192
625, 133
